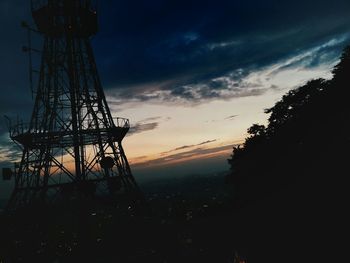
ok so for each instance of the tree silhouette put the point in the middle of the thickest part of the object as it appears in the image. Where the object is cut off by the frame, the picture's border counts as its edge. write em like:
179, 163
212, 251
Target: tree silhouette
340, 71
307, 127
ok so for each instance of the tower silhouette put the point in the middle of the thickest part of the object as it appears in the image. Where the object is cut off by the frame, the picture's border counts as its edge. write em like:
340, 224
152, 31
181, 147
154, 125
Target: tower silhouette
72, 143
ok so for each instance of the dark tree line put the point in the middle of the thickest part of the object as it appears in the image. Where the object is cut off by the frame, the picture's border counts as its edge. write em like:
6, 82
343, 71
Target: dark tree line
307, 138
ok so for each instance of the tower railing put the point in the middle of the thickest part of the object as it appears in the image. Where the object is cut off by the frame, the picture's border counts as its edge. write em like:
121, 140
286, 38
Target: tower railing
21, 128
121, 122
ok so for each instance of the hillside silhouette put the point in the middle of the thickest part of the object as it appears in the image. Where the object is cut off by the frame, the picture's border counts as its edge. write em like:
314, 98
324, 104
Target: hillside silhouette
290, 177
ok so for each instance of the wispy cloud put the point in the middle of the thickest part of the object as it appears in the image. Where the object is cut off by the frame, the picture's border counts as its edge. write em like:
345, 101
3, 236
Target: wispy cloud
188, 146
9, 153
248, 80
143, 127
147, 124
196, 153
231, 117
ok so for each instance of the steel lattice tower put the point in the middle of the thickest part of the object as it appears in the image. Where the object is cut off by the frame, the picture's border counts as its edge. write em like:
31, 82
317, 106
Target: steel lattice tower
72, 143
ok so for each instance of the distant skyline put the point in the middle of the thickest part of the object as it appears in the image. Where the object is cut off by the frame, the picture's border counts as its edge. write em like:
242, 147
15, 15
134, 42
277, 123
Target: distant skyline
191, 76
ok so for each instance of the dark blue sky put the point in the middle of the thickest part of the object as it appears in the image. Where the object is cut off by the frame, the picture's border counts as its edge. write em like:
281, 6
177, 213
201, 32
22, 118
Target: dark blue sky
144, 41
182, 42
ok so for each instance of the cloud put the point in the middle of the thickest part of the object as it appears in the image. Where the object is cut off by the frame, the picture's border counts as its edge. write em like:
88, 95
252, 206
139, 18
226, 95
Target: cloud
196, 153
184, 55
188, 146
8, 154
237, 83
179, 54
182, 61
231, 117
9, 151
142, 127
147, 124
320, 55
206, 142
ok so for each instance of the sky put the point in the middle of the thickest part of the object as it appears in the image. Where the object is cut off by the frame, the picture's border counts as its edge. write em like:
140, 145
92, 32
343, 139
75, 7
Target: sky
191, 76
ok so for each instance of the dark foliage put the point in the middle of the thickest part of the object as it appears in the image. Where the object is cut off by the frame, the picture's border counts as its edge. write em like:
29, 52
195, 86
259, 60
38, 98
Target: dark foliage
290, 178
307, 139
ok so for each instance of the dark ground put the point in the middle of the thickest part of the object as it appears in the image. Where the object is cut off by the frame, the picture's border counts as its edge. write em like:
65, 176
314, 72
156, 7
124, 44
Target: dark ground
193, 219
182, 221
